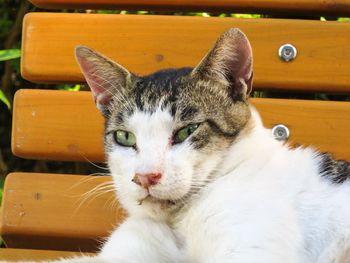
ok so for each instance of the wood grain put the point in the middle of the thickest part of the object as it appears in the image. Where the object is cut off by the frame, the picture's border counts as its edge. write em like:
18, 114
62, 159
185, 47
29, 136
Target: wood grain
57, 125
338, 7
14, 255
61, 125
50, 211
148, 43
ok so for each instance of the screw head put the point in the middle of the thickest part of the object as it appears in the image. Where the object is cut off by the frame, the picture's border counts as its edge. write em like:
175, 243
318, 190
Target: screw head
280, 132
287, 52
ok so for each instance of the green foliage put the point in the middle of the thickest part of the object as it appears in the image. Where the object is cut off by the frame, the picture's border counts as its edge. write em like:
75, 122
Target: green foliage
5, 18
8, 54
246, 16
5, 23
105, 12
142, 12
5, 100
258, 94
203, 14
1, 191
76, 87
344, 19
199, 14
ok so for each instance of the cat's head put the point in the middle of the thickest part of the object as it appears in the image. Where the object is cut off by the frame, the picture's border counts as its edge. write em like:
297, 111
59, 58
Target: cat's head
167, 133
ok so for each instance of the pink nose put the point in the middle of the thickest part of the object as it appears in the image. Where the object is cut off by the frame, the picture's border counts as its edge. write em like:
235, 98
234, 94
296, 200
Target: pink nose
146, 180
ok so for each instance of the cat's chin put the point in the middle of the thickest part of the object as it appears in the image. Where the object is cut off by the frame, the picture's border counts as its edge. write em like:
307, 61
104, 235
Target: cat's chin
163, 203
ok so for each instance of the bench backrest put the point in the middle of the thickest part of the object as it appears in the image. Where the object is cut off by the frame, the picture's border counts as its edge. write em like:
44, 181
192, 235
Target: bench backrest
59, 125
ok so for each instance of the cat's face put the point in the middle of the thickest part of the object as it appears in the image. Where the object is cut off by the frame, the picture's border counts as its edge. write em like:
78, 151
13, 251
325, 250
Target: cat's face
167, 133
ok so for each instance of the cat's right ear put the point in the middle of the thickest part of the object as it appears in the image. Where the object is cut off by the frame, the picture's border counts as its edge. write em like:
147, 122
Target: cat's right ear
105, 78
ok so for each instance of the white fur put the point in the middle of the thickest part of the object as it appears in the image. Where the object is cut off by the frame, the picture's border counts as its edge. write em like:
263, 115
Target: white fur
267, 203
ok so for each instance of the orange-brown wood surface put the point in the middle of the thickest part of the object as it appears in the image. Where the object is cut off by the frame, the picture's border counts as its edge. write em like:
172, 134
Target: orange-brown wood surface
148, 43
54, 211
294, 7
62, 125
14, 255
57, 125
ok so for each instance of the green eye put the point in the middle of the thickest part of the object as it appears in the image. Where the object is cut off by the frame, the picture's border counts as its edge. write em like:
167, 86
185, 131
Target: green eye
125, 138
184, 133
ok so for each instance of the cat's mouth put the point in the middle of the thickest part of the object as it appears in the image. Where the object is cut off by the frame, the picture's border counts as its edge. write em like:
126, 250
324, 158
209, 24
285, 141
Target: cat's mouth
154, 200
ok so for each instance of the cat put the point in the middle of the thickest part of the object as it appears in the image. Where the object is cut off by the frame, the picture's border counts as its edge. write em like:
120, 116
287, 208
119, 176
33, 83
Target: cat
201, 178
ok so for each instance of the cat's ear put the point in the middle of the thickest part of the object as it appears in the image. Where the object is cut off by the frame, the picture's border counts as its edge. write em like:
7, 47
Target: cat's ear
230, 63
105, 78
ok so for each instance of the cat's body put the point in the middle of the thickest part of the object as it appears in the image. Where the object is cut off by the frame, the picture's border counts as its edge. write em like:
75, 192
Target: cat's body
270, 204
201, 178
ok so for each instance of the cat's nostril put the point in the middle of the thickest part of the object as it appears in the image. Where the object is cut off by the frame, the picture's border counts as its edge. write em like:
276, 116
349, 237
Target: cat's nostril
147, 180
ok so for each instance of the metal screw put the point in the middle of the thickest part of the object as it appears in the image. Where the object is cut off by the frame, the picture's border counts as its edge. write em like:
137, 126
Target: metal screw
280, 132
287, 52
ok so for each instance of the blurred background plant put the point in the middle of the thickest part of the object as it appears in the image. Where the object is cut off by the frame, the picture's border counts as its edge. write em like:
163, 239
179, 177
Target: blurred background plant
11, 15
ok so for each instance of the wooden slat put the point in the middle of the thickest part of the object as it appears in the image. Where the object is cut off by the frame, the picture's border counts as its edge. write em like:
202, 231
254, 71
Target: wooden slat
57, 125
338, 7
148, 43
63, 125
48, 211
322, 124
14, 255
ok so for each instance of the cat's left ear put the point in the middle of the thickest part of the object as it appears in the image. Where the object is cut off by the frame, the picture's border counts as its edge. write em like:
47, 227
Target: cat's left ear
229, 62
106, 78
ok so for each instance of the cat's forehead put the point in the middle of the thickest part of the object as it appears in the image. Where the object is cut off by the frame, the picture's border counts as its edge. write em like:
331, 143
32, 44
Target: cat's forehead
147, 97
172, 91
143, 122
159, 89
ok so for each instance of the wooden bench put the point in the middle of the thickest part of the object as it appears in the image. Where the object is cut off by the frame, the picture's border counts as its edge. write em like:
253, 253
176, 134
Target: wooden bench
52, 212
